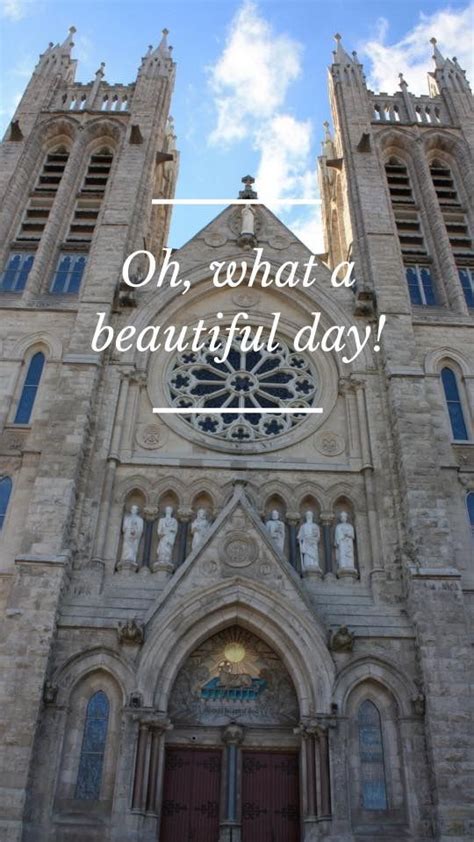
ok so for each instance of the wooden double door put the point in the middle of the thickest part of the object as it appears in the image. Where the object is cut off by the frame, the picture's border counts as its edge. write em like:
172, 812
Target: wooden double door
269, 796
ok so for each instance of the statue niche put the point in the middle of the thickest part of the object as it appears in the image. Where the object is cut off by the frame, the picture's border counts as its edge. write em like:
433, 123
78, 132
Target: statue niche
233, 676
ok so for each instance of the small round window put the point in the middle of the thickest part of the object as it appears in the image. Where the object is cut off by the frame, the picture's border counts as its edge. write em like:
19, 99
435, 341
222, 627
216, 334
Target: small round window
245, 380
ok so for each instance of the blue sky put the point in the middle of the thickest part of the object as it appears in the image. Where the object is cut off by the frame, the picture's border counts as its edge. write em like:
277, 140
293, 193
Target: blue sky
251, 90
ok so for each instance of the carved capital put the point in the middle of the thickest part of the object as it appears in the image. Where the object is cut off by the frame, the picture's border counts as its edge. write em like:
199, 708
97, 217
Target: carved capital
233, 734
152, 720
151, 512
351, 384
185, 515
327, 518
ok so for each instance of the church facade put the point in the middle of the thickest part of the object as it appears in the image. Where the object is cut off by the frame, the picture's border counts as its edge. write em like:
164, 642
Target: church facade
244, 626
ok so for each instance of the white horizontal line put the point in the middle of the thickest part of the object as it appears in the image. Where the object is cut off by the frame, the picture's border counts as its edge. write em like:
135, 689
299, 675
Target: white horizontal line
219, 410
235, 202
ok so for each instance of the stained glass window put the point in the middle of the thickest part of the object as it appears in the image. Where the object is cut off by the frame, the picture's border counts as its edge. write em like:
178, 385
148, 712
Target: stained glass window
374, 793
89, 776
68, 275
30, 388
246, 380
466, 276
470, 510
5, 491
453, 400
15, 275
420, 285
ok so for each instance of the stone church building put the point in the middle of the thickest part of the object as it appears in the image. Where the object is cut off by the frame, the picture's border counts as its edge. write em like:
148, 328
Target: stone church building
245, 626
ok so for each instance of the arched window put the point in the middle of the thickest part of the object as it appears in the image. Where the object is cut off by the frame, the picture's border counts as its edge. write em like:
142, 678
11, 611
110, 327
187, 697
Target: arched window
89, 776
470, 510
453, 401
410, 234
5, 492
374, 791
30, 388
457, 227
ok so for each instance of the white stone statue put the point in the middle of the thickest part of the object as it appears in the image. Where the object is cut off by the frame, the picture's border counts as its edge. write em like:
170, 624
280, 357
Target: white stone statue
167, 530
276, 530
248, 220
344, 537
132, 529
199, 527
308, 539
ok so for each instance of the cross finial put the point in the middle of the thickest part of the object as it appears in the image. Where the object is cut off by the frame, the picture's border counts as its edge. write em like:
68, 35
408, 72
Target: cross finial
247, 192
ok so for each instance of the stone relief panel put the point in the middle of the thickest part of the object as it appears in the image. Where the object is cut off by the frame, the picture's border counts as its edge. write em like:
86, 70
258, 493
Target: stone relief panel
234, 676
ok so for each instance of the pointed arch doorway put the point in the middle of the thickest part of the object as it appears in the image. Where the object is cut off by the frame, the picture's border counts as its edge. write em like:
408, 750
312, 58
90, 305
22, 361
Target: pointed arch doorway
232, 765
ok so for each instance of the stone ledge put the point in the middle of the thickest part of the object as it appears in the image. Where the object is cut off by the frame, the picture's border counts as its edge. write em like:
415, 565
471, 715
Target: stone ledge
55, 561
434, 572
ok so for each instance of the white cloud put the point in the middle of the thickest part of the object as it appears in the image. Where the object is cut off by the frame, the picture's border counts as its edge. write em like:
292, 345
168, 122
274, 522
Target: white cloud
411, 54
284, 144
15, 9
251, 78
250, 83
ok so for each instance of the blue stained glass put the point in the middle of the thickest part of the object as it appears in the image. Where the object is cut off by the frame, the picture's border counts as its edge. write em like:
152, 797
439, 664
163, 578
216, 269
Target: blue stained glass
374, 794
413, 287
15, 276
466, 276
470, 507
456, 416
68, 276
89, 776
5, 491
427, 282
30, 388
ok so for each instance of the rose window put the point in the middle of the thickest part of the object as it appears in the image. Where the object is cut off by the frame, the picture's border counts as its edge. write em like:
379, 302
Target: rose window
245, 380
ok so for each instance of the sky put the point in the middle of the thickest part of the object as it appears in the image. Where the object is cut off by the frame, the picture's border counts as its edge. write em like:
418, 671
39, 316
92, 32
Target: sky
251, 87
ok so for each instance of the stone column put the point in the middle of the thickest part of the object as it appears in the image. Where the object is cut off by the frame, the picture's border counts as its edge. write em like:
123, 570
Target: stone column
230, 828
148, 776
150, 515
293, 519
153, 770
324, 810
139, 783
184, 518
327, 520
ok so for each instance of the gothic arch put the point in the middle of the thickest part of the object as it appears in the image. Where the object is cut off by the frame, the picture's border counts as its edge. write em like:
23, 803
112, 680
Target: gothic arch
100, 131
40, 341
434, 359
68, 674
310, 489
342, 489
300, 643
202, 487
274, 488
170, 485
136, 482
381, 672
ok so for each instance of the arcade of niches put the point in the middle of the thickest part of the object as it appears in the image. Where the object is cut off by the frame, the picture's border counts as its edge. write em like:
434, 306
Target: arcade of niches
250, 627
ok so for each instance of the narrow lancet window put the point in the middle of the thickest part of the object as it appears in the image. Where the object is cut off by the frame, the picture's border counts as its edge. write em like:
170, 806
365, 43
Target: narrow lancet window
374, 791
30, 388
89, 776
453, 401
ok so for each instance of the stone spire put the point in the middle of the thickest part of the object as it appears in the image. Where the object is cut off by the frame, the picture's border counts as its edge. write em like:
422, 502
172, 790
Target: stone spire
439, 60
340, 55
327, 143
68, 43
163, 50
